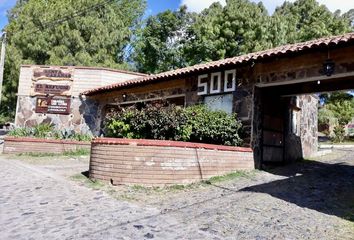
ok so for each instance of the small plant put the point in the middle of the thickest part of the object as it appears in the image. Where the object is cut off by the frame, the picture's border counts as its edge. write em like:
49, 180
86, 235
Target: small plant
47, 131
43, 130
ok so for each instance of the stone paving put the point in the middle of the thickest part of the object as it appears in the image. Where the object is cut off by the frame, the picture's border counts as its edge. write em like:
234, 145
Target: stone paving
310, 200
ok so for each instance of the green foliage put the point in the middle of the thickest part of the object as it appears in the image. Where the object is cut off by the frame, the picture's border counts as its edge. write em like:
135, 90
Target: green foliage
177, 39
208, 126
42, 130
73, 153
231, 176
20, 132
334, 97
343, 111
338, 111
339, 133
326, 120
78, 152
307, 19
158, 121
90, 33
238, 28
47, 131
159, 44
153, 122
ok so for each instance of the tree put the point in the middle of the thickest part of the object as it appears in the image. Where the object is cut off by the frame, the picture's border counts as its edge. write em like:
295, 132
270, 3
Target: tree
307, 20
350, 15
238, 28
159, 45
334, 97
66, 32
337, 112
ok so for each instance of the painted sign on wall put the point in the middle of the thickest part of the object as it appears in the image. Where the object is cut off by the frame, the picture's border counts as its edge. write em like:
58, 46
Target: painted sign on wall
53, 105
43, 88
212, 84
52, 73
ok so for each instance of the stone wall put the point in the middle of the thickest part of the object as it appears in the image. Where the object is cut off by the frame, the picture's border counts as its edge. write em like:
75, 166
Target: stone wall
150, 162
84, 117
34, 145
308, 124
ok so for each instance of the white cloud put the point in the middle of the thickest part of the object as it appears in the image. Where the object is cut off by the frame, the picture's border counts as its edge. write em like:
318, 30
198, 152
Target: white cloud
333, 5
199, 5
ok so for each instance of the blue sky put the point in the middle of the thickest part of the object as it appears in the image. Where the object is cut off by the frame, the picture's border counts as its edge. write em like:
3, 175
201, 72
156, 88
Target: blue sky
156, 6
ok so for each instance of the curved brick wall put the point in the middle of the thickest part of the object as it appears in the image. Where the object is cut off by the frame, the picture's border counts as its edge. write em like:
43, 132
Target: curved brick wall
35, 145
151, 162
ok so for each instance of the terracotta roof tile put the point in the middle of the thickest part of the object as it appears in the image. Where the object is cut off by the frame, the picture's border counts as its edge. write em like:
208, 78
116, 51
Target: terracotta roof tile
278, 51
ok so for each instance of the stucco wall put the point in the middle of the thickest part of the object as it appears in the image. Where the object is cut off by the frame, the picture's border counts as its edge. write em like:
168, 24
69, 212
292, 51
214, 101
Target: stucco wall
150, 162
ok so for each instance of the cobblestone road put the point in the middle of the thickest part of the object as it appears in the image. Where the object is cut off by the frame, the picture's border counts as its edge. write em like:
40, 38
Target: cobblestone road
305, 201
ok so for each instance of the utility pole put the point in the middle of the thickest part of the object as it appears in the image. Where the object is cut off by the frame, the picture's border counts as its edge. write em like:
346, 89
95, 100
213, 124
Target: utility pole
2, 62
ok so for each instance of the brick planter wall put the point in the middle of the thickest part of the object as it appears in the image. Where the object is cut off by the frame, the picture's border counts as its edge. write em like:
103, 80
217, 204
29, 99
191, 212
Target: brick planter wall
35, 145
151, 162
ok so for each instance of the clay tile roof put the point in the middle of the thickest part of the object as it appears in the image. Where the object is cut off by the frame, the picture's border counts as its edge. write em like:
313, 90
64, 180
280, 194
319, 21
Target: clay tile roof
275, 52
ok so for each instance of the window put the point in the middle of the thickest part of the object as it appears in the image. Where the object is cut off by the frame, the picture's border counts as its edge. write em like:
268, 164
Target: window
220, 102
203, 84
230, 81
215, 85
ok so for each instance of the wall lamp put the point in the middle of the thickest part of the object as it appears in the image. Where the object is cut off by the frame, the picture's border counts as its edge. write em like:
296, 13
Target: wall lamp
124, 96
328, 67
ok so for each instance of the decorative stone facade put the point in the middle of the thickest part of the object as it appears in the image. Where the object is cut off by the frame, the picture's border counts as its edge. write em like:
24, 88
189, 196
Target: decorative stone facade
82, 115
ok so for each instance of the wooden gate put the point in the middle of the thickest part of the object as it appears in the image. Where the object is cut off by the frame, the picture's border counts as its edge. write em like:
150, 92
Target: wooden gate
273, 130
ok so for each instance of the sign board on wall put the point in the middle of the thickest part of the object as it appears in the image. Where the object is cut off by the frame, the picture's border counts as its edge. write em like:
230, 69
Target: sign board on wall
51, 82
53, 105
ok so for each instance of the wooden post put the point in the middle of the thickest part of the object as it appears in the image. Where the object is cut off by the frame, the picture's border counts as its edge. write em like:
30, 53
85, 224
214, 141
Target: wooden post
2, 62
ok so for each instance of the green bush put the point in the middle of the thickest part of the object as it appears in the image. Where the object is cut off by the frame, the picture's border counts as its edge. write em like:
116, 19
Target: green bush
208, 126
47, 131
339, 133
170, 122
153, 122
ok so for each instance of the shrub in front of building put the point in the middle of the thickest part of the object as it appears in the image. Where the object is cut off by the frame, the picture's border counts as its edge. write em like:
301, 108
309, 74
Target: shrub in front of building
170, 122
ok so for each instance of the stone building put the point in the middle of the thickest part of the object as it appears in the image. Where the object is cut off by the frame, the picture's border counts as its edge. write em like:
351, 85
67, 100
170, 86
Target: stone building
271, 91
50, 94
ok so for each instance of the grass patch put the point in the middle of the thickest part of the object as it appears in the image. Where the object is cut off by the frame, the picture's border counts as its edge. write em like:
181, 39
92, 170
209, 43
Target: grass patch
185, 187
78, 152
72, 153
96, 185
139, 193
231, 176
37, 155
